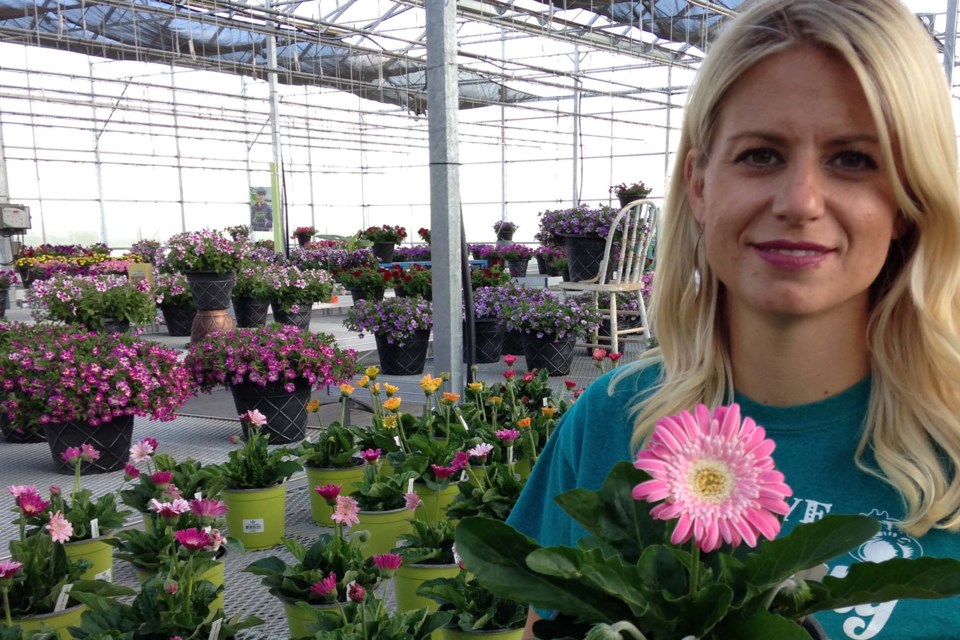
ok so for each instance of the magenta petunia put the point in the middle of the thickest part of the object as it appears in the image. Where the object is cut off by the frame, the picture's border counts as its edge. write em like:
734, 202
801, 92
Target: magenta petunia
714, 476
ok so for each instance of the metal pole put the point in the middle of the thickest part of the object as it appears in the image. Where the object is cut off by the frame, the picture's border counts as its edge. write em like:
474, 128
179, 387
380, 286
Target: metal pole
950, 42
279, 233
6, 249
445, 217
96, 157
576, 124
176, 142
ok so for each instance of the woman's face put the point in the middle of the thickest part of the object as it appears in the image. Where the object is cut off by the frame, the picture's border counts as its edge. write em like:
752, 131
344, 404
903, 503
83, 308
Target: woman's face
797, 208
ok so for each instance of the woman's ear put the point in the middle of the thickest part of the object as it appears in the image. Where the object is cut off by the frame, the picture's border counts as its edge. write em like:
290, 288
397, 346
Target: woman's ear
693, 179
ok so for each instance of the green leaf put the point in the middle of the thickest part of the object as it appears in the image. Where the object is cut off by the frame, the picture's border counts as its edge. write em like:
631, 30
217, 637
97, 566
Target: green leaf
762, 624
899, 578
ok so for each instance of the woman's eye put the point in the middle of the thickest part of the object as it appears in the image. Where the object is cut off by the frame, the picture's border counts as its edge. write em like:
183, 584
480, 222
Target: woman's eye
758, 157
854, 161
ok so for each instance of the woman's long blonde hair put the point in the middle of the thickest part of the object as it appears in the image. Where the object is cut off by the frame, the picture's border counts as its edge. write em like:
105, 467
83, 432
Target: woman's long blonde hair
913, 421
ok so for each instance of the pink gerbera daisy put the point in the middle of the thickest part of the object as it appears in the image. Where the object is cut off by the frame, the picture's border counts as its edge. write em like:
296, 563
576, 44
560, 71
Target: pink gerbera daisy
328, 492
60, 528
346, 511
325, 587
193, 539
715, 477
387, 561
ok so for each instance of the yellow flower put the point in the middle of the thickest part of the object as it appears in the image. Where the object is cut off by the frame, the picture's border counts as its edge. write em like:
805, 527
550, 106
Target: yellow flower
390, 422
476, 387
375, 389
346, 390
495, 400
450, 398
430, 384
548, 411
390, 388
372, 372
391, 404
524, 423
313, 406
363, 382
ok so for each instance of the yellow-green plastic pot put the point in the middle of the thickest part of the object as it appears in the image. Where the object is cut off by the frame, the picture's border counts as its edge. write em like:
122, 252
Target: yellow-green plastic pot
255, 517
319, 476
433, 505
494, 634
214, 575
409, 578
58, 621
97, 552
385, 528
299, 619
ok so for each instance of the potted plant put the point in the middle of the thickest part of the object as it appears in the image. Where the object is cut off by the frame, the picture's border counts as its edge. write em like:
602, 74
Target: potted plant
412, 253
303, 235
146, 250
493, 276
427, 552
424, 234
272, 369
131, 378
367, 282
414, 281
255, 480
330, 460
401, 327
384, 239
550, 325
504, 229
252, 292
172, 294
295, 291
366, 617
489, 323
627, 193
477, 613
209, 260
239, 232
7, 279
98, 302
582, 231
386, 503
517, 257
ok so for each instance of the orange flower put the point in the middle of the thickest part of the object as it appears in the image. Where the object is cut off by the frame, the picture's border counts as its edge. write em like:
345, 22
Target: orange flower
450, 398
391, 404
524, 423
429, 384
363, 382
346, 390
548, 411
313, 406
390, 388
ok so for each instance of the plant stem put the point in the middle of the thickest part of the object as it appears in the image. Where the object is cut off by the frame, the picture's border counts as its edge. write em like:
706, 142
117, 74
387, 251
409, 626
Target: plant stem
343, 410
694, 568
6, 607
533, 446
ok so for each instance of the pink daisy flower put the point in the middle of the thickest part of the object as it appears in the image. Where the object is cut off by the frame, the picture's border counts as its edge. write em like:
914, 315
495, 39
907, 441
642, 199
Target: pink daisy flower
442, 472
71, 454
254, 417
387, 561
356, 593
193, 539
371, 455
9, 568
89, 453
481, 451
60, 528
169, 509
325, 587
141, 452
328, 492
715, 477
17, 490
162, 478
507, 435
411, 501
346, 511
32, 504
130, 472
509, 359
207, 508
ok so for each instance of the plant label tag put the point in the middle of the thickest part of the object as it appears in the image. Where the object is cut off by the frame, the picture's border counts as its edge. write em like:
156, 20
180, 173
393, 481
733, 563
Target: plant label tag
106, 575
95, 528
545, 403
254, 525
463, 476
198, 495
208, 528
63, 597
510, 454
215, 629
397, 440
410, 486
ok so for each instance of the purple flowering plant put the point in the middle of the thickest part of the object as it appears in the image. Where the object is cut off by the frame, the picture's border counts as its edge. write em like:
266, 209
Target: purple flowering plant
294, 288
396, 318
172, 290
266, 355
147, 250
542, 313
514, 252
417, 253
505, 226
575, 221
488, 302
333, 257
203, 250
89, 300
8, 279
56, 374
254, 280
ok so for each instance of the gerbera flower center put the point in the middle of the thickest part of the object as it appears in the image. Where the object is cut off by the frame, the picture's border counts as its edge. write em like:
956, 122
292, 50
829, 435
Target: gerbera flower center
710, 480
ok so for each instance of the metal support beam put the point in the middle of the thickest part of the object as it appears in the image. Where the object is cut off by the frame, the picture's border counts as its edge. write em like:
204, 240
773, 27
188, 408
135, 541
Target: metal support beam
276, 201
6, 250
950, 42
96, 154
445, 216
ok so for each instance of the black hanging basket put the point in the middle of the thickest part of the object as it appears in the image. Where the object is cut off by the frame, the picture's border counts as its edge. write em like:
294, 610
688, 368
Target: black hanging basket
300, 319
518, 268
112, 439
250, 312
584, 255
548, 354
179, 320
512, 343
406, 360
210, 290
489, 333
360, 294
505, 235
17, 434
542, 266
114, 325
383, 251
286, 412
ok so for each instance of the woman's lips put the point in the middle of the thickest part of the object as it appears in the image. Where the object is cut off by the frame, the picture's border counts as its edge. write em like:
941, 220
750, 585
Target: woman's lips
785, 254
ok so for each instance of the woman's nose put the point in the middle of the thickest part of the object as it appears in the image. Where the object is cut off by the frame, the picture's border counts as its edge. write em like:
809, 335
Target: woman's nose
800, 195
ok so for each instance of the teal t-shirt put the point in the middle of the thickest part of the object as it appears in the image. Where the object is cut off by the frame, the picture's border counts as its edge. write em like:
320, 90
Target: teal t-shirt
815, 451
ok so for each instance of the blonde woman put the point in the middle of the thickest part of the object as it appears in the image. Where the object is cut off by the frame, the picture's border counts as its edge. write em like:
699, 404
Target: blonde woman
810, 271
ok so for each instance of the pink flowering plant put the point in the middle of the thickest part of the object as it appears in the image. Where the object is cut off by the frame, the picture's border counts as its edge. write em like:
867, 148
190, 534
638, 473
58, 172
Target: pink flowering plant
382, 491
8, 279
203, 250
295, 289
683, 543
89, 300
57, 375
397, 319
254, 465
271, 355
153, 475
172, 290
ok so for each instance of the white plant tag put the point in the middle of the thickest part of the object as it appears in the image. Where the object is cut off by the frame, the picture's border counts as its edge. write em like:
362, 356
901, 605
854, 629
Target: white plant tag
545, 402
198, 495
410, 486
215, 629
463, 476
106, 574
397, 440
95, 528
63, 597
510, 454
254, 526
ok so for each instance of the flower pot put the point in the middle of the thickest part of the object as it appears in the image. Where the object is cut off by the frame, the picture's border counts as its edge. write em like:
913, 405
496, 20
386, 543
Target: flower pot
250, 312
17, 434
112, 439
385, 528
303, 240
210, 321
214, 575
4, 302
299, 319
542, 267
408, 579
584, 255
360, 294
210, 290
255, 517
489, 334
179, 320
383, 251
493, 634
518, 268
299, 619
318, 476
98, 552
406, 360
547, 353
113, 325
286, 412
58, 621
434, 506
512, 343
505, 234
627, 198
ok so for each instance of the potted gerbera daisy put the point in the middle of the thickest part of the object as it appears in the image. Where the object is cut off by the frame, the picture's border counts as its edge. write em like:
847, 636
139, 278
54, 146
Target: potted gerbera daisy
674, 565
